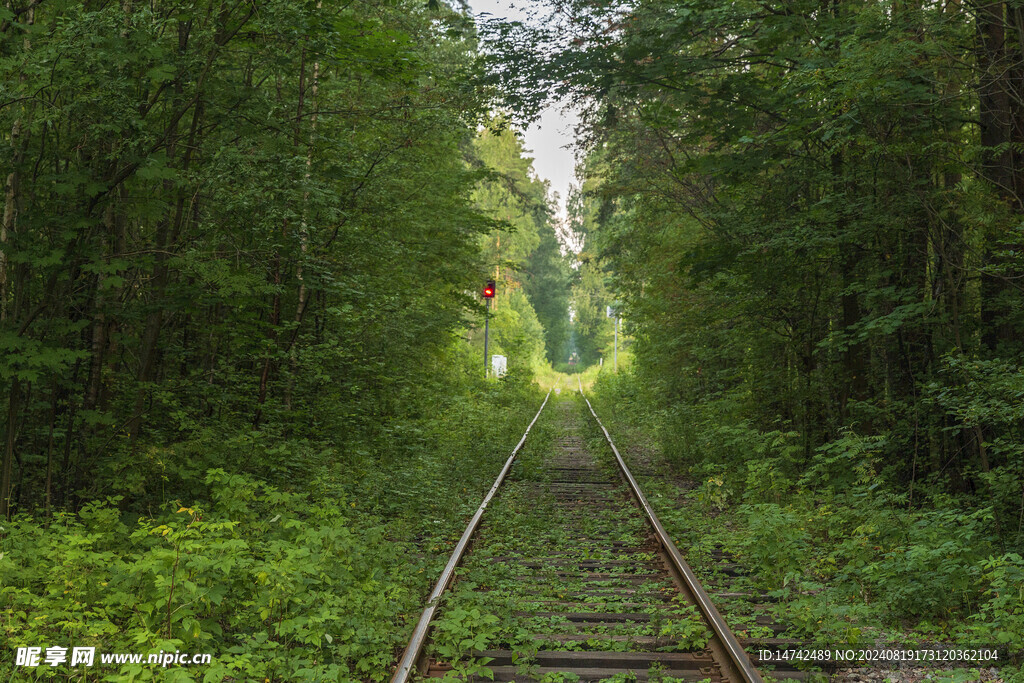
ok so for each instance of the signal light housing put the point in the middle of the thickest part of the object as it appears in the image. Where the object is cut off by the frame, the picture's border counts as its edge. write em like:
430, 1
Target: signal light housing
489, 289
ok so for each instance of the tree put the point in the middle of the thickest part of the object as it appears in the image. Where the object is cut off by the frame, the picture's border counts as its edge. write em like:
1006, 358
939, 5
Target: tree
252, 215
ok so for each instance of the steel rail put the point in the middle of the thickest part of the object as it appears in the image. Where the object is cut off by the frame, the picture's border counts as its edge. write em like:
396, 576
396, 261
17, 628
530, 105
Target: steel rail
739, 660
419, 634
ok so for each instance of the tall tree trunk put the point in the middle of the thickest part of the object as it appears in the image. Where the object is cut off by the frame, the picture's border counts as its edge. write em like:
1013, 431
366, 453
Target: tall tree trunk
8, 227
7, 468
48, 492
993, 98
10, 215
97, 346
1015, 95
275, 320
303, 295
12, 192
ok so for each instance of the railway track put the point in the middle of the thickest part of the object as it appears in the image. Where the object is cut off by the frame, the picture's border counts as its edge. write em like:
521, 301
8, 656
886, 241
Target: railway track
570, 577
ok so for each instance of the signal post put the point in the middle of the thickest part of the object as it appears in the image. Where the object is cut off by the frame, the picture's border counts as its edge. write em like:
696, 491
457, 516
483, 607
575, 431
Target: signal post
489, 289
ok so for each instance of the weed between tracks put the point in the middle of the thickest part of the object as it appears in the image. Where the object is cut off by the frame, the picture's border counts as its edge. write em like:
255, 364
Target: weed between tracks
547, 559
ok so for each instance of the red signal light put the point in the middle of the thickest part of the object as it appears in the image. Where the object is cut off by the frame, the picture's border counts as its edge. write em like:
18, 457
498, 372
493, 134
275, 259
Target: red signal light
489, 289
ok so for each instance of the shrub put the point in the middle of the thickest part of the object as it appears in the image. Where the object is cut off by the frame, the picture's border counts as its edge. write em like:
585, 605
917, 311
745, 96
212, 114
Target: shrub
270, 584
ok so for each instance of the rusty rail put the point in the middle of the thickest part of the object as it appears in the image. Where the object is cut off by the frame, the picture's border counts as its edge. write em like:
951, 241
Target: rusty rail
738, 661
419, 635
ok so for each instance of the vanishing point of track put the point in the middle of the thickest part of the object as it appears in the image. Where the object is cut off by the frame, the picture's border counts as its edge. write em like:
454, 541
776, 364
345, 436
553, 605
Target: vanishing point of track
596, 579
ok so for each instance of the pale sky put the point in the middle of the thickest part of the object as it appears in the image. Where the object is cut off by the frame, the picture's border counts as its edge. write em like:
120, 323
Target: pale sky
548, 140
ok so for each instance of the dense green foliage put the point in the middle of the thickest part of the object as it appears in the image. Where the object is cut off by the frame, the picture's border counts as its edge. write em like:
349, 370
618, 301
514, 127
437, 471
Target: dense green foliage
254, 216
812, 215
240, 336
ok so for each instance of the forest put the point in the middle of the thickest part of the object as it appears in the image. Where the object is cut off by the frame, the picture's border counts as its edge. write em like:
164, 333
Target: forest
243, 401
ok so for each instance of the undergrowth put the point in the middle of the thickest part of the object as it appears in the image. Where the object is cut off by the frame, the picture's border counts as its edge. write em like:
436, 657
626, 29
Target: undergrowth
850, 559
320, 576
